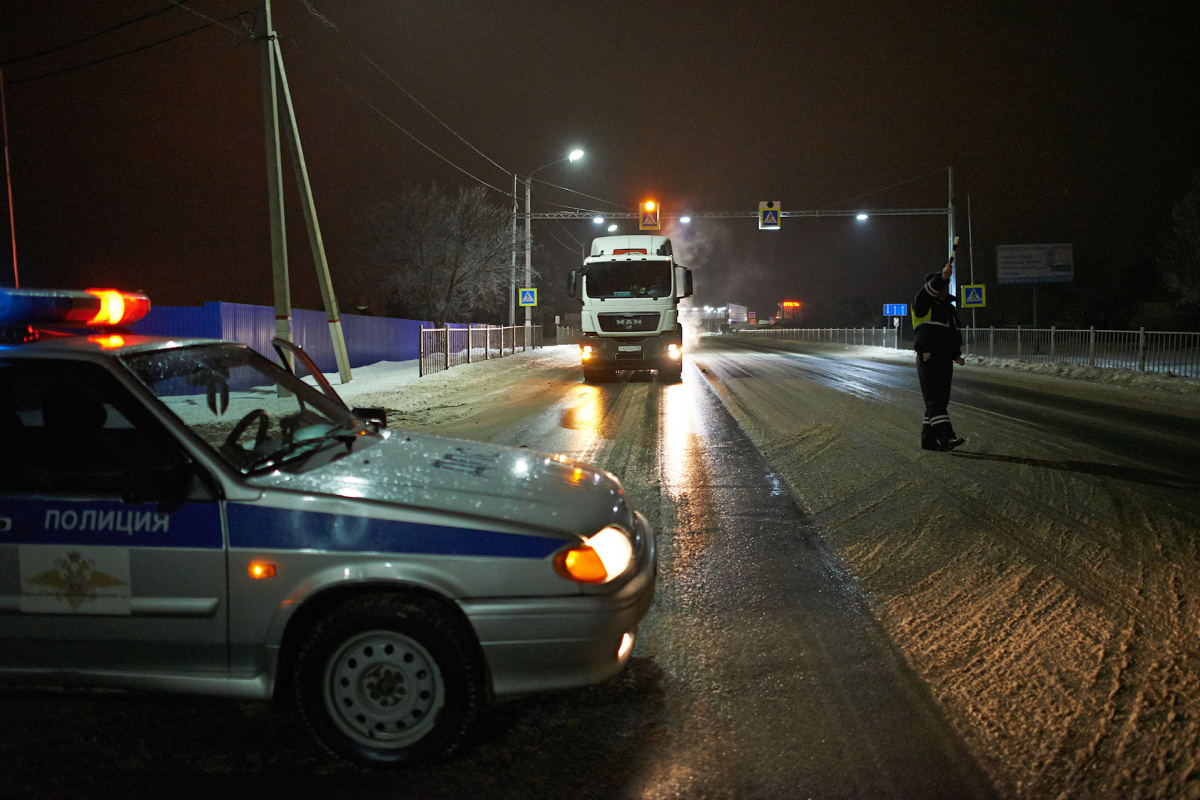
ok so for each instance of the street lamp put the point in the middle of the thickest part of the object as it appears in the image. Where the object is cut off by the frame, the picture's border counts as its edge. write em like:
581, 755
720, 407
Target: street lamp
573, 156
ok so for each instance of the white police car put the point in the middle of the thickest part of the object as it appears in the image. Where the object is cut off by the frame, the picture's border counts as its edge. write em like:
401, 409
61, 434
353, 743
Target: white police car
185, 515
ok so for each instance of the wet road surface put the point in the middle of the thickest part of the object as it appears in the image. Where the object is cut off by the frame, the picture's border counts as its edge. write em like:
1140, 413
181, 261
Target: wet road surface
759, 672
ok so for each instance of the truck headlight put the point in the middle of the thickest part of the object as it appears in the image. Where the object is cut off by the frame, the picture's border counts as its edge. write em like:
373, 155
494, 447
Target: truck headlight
674, 351
585, 352
597, 559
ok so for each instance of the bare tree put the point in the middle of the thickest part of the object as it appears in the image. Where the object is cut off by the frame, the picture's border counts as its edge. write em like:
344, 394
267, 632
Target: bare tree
1179, 259
441, 257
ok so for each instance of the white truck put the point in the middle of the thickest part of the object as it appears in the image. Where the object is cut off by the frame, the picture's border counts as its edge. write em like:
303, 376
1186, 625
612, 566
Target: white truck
630, 287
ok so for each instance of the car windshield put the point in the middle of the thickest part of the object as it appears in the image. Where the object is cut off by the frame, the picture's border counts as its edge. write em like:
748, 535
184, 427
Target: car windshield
628, 278
249, 410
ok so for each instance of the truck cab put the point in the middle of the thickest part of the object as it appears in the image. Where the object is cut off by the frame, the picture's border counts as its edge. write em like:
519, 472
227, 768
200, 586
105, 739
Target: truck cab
630, 288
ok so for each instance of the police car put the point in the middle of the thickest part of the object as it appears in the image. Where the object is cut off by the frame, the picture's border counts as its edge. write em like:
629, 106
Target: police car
187, 515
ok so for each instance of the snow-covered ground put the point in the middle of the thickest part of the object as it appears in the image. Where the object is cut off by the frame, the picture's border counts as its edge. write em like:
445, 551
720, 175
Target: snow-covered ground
1047, 591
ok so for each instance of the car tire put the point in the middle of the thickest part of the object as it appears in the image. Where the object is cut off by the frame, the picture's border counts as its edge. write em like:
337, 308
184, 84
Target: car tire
387, 681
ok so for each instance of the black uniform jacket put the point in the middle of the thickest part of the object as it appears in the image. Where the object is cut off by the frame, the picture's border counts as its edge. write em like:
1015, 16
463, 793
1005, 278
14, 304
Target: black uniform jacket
935, 322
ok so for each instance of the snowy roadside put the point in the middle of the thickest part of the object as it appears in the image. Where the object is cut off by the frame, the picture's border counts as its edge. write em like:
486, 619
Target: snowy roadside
396, 384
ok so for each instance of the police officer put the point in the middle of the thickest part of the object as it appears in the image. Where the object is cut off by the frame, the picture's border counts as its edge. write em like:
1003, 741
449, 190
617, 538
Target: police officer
939, 347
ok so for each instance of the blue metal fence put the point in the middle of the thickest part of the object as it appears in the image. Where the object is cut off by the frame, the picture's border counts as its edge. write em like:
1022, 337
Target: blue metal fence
368, 339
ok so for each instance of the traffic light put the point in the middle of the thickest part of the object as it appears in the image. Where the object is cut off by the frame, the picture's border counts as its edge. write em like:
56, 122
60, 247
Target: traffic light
649, 216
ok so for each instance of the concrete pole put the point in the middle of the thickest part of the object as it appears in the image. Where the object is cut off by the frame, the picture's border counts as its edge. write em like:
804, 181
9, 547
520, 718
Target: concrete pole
950, 236
528, 266
512, 275
12, 225
279, 259
328, 298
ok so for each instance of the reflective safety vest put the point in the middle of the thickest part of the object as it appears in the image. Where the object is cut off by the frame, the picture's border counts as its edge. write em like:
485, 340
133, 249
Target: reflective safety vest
927, 318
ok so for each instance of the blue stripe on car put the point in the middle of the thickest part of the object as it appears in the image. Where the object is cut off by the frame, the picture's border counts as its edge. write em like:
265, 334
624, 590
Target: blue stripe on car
260, 527
52, 520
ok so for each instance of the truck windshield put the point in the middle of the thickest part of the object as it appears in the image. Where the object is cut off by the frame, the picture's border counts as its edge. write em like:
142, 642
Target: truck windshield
628, 279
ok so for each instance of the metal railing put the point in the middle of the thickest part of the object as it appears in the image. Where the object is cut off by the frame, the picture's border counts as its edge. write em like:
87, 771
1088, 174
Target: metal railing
1167, 352
867, 337
443, 348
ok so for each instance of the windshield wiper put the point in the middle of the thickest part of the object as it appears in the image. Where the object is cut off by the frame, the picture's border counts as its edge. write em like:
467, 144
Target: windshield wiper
338, 433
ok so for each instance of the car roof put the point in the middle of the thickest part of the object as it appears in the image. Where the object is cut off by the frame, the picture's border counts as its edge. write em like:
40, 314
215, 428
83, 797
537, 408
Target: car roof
103, 344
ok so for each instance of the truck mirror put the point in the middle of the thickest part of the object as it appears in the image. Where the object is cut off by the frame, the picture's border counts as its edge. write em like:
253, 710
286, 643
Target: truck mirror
571, 284
687, 284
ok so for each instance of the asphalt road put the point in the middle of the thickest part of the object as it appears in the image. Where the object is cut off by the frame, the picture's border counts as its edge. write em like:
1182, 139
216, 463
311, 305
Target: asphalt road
759, 672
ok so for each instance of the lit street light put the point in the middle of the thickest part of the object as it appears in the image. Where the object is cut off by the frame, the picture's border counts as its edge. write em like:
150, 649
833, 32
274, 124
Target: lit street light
573, 156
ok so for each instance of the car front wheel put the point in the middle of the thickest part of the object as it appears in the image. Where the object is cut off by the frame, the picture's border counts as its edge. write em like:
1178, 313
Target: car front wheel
387, 681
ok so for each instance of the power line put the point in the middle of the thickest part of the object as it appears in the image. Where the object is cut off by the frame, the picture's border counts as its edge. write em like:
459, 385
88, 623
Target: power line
893, 186
407, 93
96, 35
115, 56
397, 125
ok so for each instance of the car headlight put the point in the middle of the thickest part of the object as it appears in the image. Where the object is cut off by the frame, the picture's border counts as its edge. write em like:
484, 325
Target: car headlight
597, 559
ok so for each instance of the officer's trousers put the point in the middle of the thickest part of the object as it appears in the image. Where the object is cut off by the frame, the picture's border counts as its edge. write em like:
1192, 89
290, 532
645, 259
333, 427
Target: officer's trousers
935, 374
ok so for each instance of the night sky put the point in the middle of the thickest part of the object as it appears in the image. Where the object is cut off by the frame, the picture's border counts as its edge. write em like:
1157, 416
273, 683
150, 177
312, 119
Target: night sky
1063, 121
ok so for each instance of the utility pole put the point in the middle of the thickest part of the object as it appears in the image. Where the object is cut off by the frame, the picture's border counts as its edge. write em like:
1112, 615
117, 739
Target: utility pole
528, 267
275, 85
950, 232
12, 225
512, 275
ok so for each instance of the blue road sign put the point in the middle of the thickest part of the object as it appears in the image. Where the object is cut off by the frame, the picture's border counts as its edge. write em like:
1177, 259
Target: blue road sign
974, 296
528, 297
895, 309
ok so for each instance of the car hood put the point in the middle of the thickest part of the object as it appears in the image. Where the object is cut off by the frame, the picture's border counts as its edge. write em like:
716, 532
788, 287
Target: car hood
527, 488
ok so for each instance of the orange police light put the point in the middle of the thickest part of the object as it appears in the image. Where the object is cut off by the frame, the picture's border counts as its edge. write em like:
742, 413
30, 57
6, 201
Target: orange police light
119, 308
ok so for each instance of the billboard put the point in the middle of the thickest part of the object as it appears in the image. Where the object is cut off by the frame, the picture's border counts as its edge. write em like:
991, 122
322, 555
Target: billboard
1035, 263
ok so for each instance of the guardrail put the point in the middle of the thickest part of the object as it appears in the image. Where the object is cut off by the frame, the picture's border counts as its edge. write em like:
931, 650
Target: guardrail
867, 337
443, 348
1168, 352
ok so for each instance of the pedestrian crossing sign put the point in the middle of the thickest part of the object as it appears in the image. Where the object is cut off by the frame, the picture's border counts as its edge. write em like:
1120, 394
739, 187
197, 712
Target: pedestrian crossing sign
768, 215
528, 297
974, 296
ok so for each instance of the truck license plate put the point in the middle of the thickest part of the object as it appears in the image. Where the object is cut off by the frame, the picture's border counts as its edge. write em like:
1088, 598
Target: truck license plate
629, 348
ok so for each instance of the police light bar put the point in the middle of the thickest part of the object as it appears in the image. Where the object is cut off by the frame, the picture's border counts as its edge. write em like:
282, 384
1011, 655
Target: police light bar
92, 308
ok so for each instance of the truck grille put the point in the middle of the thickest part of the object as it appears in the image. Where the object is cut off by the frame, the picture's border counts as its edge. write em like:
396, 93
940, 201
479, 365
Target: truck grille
628, 323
